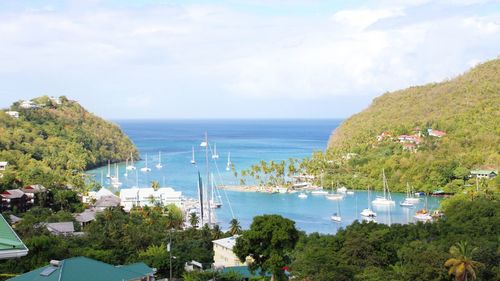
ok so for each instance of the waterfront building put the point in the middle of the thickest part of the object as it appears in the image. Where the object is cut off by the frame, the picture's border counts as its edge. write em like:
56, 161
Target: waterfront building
141, 197
85, 269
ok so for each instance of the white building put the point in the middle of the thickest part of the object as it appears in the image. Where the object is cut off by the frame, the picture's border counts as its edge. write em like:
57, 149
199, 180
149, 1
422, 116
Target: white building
13, 114
56, 100
223, 252
3, 165
141, 197
26, 104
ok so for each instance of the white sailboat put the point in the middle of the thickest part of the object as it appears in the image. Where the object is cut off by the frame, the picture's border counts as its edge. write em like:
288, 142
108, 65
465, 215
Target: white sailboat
192, 159
131, 167
215, 202
215, 155
410, 195
126, 165
385, 200
115, 181
319, 192
159, 165
336, 217
334, 196
229, 164
108, 175
368, 213
146, 168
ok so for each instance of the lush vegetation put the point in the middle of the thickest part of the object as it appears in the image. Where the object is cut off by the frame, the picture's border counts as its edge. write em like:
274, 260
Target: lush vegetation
53, 144
467, 108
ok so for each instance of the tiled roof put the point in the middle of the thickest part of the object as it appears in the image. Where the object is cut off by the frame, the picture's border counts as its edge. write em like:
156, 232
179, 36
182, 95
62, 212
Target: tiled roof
12, 194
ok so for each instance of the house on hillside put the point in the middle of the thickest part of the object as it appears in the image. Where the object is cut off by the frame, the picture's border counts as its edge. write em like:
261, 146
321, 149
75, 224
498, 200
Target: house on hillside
411, 147
3, 165
55, 100
13, 114
14, 199
483, 174
62, 228
85, 269
435, 133
410, 139
31, 192
11, 245
86, 217
26, 104
383, 136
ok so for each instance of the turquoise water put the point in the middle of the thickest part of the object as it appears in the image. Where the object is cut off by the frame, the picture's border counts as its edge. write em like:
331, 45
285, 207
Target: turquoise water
249, 141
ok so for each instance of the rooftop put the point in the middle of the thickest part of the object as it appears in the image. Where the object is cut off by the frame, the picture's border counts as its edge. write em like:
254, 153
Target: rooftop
12, 193
11, 245
228, 242
85, 269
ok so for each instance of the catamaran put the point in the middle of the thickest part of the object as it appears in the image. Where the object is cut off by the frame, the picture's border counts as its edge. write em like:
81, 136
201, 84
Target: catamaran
131, 167
159, 165
192, 159
385, 200
146, 168
336, 217
368, 213
229, 164
215, 155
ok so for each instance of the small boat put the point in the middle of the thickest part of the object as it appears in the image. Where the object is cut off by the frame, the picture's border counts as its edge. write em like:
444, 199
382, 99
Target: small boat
131, 167
369, 219
215, 202
159, 165
410, 196
368, 213
385, 200
350, 192
423, 215
215, 155
302, 196
342, 189
334, 196
405, 204
319, 192
229, 164
192, 159
108, 175
336, 217
281, 190
146, 168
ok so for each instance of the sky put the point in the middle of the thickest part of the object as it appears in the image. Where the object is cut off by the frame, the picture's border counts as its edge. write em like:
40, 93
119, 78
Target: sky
124, 59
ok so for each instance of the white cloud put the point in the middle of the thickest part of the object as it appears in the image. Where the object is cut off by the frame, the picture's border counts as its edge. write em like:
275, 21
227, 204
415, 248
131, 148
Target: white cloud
172, 54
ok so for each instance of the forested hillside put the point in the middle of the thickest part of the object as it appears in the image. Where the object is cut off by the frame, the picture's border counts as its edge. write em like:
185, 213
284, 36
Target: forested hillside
465, 111
54, 140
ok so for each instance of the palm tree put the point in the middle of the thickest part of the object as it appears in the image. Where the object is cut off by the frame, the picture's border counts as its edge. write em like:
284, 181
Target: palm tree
216, 232
155, 185
193, 220
461, 264
235, 227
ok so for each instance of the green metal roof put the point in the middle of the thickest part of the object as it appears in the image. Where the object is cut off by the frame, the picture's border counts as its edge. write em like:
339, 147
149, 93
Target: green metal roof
8, 238
85, 269
483, 171
244, 271
139, 267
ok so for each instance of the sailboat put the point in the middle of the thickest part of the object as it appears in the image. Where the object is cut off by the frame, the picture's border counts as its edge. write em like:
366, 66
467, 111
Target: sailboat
159, 165
131, 167
192, 159
146, 168
126, 165
115, 181
368, 213
108, 175
336, 216
410, 195
215, 202
423, 215
215, 155
302, 195
229, 164
408, 202
385, 200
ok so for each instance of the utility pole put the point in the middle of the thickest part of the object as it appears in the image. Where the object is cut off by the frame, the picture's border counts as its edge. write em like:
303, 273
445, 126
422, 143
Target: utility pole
170, 254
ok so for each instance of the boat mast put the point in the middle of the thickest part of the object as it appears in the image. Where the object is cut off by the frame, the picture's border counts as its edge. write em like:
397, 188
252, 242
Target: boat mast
384, 182
208, 179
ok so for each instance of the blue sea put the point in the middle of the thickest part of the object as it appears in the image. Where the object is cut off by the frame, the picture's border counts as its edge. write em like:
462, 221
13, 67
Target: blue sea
248, 141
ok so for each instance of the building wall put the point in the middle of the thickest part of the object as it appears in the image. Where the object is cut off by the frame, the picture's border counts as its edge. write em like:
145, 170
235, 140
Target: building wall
225, 257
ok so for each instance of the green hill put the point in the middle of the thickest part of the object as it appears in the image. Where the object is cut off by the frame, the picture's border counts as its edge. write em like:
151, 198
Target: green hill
53, 142
467, 108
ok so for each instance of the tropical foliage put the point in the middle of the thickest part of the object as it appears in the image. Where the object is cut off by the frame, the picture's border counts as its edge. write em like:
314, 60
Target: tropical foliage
467, 108
53, 144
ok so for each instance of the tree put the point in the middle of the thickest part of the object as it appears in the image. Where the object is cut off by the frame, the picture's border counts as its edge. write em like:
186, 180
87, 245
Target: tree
269, 242
175, 218
216, 232
461, 264
157, 257
155, 185
234, 227
194, 220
